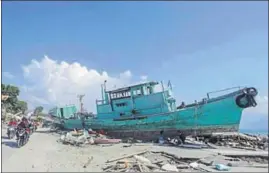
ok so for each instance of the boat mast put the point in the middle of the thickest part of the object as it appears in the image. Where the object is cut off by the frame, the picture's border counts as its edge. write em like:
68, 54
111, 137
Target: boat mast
102, 92
80, 97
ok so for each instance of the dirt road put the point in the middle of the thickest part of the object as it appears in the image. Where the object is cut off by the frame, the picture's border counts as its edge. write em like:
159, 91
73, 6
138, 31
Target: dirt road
44, 153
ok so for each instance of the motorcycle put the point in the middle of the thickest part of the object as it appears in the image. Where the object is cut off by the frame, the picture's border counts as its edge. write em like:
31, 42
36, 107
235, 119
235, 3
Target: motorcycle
11, 132
22, 136
35, 126
32, 129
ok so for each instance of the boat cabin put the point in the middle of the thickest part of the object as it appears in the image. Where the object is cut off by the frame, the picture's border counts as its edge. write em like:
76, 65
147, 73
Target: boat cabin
136, 100
65, 112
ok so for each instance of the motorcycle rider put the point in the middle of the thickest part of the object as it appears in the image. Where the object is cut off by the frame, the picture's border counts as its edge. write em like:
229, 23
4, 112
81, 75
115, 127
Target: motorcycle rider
24, 124
12, 127
12, 122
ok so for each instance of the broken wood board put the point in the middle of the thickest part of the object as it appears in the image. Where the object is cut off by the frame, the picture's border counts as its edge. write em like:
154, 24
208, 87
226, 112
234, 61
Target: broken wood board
127, 156
175, 156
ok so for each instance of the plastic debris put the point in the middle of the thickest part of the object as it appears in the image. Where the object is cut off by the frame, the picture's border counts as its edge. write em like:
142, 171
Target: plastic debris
222, 167
142, 159
194, 165
161, 140
169, 167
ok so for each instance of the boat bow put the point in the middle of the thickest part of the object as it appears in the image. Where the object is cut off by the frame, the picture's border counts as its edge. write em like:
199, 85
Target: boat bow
247, 98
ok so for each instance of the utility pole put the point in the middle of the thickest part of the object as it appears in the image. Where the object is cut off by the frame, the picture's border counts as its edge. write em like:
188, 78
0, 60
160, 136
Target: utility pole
80, 97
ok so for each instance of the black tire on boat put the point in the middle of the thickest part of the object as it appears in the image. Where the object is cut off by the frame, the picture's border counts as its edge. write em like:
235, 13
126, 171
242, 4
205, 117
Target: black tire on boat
252, 91
239, 103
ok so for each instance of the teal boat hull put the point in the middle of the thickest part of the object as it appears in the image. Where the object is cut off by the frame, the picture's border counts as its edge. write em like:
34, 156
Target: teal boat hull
220, 114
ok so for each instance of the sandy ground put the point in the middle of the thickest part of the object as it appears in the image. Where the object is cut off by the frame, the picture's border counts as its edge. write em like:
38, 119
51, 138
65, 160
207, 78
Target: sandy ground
44, 153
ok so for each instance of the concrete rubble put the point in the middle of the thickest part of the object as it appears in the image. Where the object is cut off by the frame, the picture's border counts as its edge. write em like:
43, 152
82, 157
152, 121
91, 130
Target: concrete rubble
151, 161
86, 137
240, 141
148, 161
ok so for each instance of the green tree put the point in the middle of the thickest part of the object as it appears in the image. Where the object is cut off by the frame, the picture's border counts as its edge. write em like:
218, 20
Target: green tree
21, 106
38, 110
3, 87
12, 104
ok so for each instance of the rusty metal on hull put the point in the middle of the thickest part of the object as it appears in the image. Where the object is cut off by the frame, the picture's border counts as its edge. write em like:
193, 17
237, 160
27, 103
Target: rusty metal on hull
153, 135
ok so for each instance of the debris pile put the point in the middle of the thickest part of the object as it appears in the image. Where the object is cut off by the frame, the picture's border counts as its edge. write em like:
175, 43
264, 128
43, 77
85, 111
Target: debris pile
153, 161
146, 161
233, 140
241, 141
81, 137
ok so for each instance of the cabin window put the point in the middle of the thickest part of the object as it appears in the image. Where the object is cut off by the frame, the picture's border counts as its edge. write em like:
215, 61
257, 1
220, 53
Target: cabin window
149, 89
121, 104
137, 92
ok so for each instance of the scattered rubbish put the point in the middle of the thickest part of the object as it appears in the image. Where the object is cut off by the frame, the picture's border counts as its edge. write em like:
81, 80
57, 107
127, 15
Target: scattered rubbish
131, 155
81, 137
232, 164
206, 162
222, 167
240, 141
125, 146
90, 141
142, 159
169, 167
161, 140
205, 168
183, 166
194, 165
146, 162
160, 161
88, 162
106, 141
191, 146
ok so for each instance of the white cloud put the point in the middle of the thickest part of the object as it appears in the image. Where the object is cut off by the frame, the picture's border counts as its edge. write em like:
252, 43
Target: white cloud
127, 74
59, 83
144, 78
8, 75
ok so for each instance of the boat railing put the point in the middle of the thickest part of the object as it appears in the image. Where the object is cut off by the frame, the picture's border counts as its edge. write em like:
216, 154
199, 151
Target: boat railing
226, 89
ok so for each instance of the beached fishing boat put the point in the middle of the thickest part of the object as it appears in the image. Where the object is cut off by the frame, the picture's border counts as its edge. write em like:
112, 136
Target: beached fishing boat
143, 112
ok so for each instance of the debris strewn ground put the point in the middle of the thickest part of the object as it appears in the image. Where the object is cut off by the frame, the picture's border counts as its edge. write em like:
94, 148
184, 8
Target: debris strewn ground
158, 161
241, 141
52, 150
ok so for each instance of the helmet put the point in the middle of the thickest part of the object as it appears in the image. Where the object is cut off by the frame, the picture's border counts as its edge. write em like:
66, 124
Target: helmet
24, 119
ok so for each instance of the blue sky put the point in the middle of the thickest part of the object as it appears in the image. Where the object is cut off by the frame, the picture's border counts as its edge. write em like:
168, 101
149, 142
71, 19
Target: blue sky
199, 46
